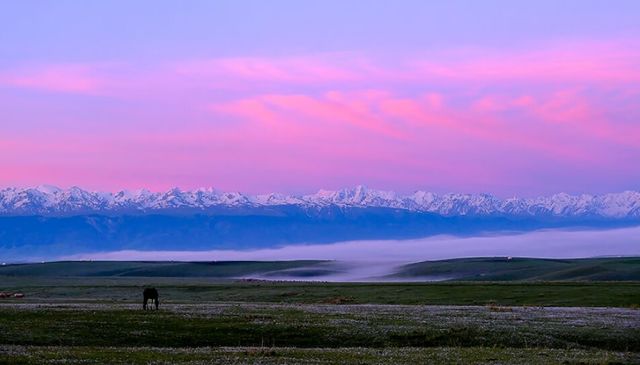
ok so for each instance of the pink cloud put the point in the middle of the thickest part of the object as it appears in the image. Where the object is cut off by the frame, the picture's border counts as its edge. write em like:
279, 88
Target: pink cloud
69, 78
333, 110
561, 110
296, 69
421, 118
616, 61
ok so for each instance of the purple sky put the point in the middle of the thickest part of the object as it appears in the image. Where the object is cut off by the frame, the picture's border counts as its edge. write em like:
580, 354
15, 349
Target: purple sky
505, 97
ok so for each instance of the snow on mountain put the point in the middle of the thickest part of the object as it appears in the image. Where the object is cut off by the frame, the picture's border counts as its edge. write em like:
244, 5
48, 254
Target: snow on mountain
359, 196
51, 200
276, 199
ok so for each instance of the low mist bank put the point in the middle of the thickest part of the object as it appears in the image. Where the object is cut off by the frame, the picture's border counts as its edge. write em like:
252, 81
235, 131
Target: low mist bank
373, 260
544, 244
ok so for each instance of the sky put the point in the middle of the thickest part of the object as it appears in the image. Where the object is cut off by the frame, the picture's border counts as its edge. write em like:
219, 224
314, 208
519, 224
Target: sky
505, 97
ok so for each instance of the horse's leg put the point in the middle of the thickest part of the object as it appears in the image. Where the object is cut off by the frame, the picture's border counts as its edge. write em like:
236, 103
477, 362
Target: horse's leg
144, 304
157, 303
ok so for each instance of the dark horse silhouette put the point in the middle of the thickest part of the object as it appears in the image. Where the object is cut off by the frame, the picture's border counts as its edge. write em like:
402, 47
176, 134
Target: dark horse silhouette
150, 294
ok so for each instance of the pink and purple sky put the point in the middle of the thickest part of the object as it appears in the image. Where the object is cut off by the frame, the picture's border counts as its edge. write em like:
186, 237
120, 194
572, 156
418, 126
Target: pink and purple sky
505, 97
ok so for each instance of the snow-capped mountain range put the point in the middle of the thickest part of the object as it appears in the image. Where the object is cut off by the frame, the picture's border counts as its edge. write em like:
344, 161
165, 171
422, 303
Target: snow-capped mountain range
48, 200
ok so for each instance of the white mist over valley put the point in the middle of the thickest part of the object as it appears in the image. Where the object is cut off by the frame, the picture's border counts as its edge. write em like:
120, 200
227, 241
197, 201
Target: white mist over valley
373, 260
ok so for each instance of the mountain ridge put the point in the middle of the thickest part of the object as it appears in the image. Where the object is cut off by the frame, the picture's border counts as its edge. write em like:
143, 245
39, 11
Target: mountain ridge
50, 200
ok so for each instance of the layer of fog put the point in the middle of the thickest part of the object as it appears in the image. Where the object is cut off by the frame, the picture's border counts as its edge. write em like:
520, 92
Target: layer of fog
363, 260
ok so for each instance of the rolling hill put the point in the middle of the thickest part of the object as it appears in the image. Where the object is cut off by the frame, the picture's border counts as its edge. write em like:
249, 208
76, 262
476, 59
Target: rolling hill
525, 269
466, 269
222, 269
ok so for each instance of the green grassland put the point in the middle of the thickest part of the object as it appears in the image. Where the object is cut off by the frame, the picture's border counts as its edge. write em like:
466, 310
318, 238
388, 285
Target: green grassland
321, 333
90, 312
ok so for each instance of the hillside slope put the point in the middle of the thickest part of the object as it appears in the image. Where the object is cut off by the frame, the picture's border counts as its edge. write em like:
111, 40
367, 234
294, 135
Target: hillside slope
222, 269
526, 269
466, 269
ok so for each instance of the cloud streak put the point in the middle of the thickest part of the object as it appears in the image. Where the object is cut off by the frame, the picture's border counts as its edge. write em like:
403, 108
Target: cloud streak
57, 78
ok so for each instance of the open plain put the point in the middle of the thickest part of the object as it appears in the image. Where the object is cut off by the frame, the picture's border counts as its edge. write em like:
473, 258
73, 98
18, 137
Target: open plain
86, 319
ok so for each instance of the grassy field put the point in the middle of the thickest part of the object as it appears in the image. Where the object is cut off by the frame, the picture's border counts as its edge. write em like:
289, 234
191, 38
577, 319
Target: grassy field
319, 333
212, 319
32, 355
318, 325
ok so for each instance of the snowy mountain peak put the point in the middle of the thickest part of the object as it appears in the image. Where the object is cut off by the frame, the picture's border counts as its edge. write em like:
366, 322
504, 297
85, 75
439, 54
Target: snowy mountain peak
50, 200
48, 189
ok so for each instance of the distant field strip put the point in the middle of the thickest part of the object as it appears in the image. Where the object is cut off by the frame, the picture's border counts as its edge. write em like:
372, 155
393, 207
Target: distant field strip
208, 290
